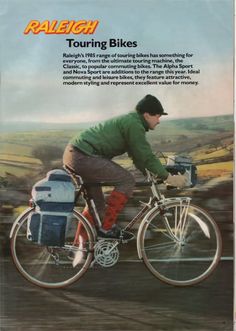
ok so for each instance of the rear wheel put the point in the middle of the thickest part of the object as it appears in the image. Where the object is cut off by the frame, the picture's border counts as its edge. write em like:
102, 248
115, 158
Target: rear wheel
46, 266
181, 246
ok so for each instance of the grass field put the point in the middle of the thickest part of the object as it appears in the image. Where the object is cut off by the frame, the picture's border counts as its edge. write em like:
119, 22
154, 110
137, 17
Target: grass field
15, 170
209, 153
14, 148
19, 159
215, 169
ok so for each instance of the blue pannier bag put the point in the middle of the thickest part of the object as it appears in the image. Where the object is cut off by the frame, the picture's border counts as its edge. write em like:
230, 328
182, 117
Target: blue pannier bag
54, 198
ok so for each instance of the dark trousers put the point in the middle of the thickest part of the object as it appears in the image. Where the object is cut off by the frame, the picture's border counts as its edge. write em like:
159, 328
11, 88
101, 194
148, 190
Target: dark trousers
97, 169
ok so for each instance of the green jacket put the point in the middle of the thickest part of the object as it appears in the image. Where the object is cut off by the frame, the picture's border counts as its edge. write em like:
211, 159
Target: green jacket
126, 133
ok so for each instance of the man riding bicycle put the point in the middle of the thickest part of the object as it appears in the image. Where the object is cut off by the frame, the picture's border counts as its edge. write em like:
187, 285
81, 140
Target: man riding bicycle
90, 155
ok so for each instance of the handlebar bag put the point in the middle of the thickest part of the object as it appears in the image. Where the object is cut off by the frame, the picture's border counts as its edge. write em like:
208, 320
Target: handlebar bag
179, 164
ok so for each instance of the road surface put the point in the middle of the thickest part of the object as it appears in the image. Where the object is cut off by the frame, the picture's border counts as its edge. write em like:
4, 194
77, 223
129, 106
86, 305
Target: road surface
126, 297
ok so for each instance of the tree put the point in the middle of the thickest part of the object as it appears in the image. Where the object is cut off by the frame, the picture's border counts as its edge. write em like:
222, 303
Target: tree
46, 154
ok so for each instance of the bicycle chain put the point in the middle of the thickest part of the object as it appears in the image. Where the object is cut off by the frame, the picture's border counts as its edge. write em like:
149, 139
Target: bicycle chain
69, 266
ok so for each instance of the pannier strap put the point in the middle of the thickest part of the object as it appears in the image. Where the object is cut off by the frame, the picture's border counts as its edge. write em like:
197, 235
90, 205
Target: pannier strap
42, 188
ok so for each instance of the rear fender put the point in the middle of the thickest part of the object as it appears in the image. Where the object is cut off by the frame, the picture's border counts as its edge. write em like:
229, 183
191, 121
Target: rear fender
17, 221
87, 222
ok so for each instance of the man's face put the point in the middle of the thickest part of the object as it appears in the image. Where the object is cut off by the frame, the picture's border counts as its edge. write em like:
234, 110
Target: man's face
152, 120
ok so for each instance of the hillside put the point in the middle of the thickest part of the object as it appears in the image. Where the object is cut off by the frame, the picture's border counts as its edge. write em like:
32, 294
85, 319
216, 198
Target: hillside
209, 140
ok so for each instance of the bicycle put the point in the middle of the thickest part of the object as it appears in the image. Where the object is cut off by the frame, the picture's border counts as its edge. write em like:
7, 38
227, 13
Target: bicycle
179, 243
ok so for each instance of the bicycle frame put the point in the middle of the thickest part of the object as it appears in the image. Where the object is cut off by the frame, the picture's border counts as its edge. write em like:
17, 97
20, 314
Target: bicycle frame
80, 187
157, 201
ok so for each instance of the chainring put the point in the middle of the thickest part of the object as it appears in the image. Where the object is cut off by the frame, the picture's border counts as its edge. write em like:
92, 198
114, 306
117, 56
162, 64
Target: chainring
106, 253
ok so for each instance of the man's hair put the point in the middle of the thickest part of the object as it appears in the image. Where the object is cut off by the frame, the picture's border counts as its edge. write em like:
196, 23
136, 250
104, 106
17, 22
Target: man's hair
150, 104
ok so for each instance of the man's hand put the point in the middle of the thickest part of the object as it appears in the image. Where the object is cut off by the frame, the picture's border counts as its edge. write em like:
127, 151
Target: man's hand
177, 180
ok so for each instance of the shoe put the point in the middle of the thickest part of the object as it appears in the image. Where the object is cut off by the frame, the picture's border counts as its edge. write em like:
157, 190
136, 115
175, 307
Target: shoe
115, 233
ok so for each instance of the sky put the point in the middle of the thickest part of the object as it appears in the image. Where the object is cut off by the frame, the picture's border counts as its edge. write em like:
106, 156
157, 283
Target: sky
31, 65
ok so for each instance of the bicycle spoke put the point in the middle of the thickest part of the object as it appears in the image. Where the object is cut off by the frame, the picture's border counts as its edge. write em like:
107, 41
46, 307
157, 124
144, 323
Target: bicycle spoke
165, 244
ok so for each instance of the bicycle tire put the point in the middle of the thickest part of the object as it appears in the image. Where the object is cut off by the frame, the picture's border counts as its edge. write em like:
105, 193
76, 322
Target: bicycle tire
49, 267
191, 259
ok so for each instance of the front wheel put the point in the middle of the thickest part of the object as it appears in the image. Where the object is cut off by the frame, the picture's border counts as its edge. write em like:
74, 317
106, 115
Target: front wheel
47, 266
181, 245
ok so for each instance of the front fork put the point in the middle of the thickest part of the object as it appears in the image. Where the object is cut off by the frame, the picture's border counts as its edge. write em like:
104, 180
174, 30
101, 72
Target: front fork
176, 232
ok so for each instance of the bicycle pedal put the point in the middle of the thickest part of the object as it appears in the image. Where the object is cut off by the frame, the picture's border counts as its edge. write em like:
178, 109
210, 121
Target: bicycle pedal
125, 241
92, 264
71, 255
